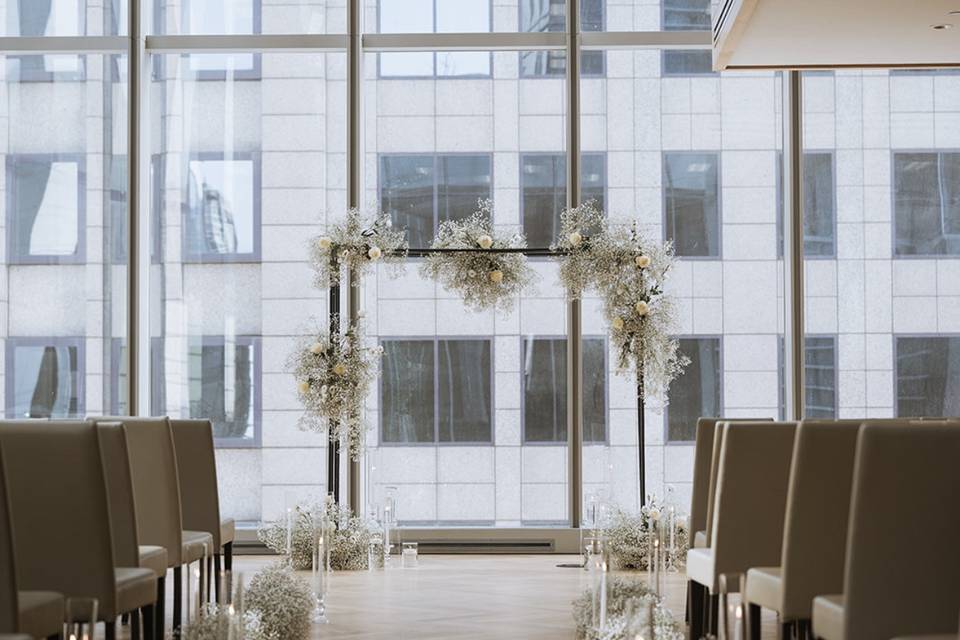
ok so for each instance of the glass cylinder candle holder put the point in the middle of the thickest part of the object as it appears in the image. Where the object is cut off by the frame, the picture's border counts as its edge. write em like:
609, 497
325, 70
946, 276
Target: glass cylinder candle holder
375, 552
320, 544
410, 551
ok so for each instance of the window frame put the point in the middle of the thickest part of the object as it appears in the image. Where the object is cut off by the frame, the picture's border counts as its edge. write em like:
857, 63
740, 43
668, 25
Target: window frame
560, 76
436, 442
207, 75
718, 154
255, 256
34, 76
605, 341
13, 226
781, 371
10, 383
489, 155
664, 52
667, 441
894, 152
778, 158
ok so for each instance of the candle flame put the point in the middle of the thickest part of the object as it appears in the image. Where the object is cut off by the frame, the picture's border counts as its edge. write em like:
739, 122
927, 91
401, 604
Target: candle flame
231, 610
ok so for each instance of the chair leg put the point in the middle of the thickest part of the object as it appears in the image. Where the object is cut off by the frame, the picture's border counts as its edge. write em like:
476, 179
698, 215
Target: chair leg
149, 624
134, 618
110, 628
216, 576
125, 619
753, 621
804, 630
228, 556
177, 600
161, 611
785, 630
208, 576
713, 627
695, 606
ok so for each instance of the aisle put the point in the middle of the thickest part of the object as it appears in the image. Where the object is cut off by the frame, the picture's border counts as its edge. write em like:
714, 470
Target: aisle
458, 596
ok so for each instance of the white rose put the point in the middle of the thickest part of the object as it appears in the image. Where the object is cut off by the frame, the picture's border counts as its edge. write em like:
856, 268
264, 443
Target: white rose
575, 239
642, 261
618, 323
485, 241
316, 348
496, 276
303, 387
340, 369
374, 253
655, 514
324, 243
642, 308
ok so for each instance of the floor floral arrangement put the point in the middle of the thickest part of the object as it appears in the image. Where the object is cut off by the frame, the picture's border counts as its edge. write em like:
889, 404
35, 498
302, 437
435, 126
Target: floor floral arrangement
630, 536
632, 611
349, 536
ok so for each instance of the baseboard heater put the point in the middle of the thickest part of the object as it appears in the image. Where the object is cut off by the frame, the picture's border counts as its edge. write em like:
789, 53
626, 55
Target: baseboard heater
257, 548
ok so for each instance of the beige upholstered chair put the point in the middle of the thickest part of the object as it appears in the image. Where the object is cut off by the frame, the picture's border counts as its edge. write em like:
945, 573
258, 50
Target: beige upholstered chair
156, 492
37, 613
123, 518
902, 552
61, 520
200, 499
702, 459
747, 527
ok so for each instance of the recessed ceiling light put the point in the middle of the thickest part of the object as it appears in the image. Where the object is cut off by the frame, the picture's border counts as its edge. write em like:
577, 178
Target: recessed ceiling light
941, 27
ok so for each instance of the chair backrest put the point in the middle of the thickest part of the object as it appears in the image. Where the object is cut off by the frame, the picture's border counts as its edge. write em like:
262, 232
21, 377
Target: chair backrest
123, 516
902, 552
197, 466
156, 489
702, 457
9, 611
59, 511
818, 505
751, 495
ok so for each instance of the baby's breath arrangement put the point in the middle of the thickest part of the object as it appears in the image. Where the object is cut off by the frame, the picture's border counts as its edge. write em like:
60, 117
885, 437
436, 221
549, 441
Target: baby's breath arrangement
485, 278
357, 243
629, 602
349, 536
628, 271
333, 375
216, 621
628, 537
284, 600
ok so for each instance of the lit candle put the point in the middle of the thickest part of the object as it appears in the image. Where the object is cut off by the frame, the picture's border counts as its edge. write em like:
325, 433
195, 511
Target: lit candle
656, 565
673, 542
603, 595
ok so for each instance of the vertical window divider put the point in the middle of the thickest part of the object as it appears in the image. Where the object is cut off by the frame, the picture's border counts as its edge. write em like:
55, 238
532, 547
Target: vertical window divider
574, 307
792, 195
354, 160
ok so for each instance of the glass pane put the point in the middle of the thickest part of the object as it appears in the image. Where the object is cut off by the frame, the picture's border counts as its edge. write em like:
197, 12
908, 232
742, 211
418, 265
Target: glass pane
447, 16
464, 393
408, 391
927, 370
551, 16
691, 203
64, 268
64, 18
697, 391
927, 203
543, 185
246, 17
243, 169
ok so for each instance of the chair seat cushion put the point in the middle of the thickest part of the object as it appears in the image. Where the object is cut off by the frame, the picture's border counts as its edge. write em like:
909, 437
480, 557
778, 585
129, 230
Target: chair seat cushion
193, 542
828, 617
932, 636
154, 558
700, 563
136, 587
41, 613
700, 540
765, 587
228, 530
14, 636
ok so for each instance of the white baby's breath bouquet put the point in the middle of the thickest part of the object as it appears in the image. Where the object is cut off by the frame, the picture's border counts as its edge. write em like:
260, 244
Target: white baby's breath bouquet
358, 243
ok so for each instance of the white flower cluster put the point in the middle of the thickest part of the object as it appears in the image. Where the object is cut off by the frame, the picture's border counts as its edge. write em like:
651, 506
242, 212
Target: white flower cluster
333, 376
628, 537
483, 276
628, 271
629, 603
284, 601
358, 243
221, 623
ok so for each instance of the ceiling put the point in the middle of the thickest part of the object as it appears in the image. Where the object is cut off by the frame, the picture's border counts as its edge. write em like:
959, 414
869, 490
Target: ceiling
790, 34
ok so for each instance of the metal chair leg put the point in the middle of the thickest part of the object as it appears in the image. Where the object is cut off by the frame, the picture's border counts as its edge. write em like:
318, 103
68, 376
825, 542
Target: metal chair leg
695, 605
753, 621
216, 576
134, 617
177, 600
110, 630
161, 607
149, 624
228, 556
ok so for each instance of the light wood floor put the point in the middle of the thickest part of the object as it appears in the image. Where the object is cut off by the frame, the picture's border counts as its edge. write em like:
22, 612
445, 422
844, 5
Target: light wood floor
477, 597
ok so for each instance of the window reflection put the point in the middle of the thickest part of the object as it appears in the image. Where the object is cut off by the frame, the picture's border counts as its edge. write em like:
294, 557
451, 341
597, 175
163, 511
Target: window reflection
45, 207
222, 208
543, 183
697, 391
47, 378
926, 203
928, 376
691, 192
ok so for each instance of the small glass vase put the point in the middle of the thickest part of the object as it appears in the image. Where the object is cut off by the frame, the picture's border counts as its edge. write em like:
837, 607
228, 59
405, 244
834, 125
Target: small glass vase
319, 567
410, 555
375, 552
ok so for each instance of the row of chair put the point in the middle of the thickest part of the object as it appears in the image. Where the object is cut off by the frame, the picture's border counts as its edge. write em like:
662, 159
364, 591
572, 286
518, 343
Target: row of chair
102, 509
845, 528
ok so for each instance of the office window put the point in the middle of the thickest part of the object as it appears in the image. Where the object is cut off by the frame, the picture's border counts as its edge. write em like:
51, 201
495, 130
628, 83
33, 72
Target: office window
544, 377
222, 209
434, 16
543, 185
46, 203
819, 205
691, 197
223, 375
219, 17
436, 391
35, 18
421, 191
45, 378
928, 376
697, 391
820, 376
687, 15
926, 203
551, 16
